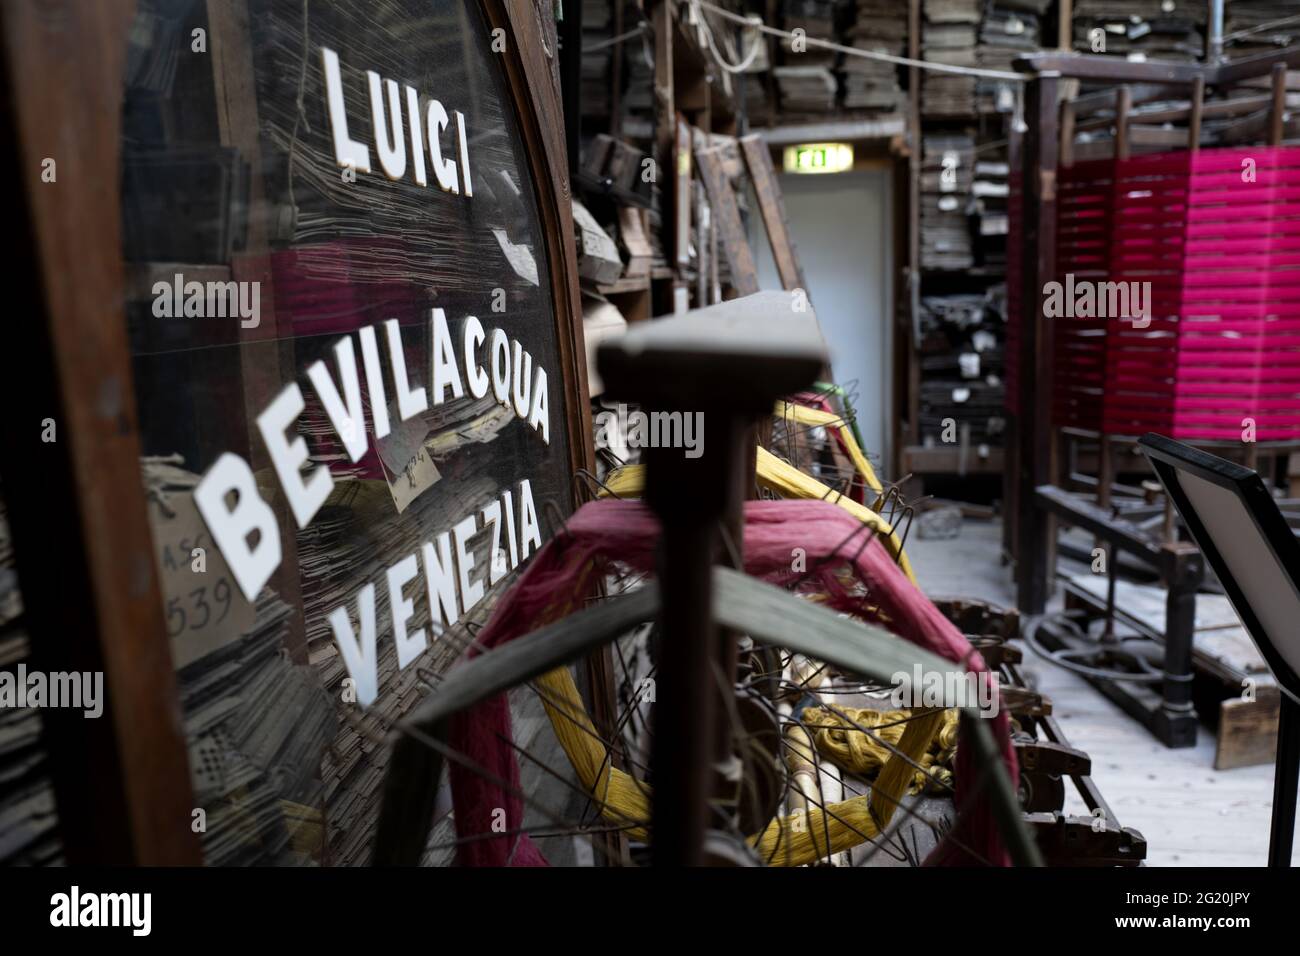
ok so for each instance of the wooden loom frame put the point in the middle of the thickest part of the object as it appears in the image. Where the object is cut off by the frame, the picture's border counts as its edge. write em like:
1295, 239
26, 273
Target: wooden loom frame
90, 590
1034, 503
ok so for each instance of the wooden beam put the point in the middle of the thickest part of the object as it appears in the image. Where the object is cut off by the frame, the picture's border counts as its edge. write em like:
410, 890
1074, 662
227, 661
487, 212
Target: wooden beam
91, 597
1122, 110
911, 290
1277, 114
1111, 69
758, 160
726, 217
1067, 134
1250, 66
1036, 334
1065, 25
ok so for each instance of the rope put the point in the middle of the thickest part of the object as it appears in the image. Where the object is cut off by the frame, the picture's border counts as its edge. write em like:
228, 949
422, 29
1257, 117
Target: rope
615, 41
752, 22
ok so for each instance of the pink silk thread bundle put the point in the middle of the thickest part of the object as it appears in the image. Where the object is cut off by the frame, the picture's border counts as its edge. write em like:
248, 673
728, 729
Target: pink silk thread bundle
627, 532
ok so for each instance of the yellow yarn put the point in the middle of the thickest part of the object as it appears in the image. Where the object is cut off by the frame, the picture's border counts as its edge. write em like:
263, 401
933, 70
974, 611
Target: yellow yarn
786, 480
804, 415
838, 739
625, 482
789, 841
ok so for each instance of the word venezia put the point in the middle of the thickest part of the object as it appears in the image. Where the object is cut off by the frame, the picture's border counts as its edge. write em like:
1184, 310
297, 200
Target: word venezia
390, 137
1098, 300
212, 300
450, 588
74, 690
949, 688
654, 430
75, 908
227, 496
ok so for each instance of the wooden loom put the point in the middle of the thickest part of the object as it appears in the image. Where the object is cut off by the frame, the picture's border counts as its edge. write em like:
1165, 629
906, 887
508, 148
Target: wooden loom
685, 746
1111, 209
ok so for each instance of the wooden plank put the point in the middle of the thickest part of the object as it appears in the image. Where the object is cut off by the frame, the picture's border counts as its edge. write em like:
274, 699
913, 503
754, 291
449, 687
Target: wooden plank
1068, 118
1248, 730
76, 507
910, 296
726, 218
1234, 71
1106, 68
616, 76
1156, 137
772, 206
633, 231
947, 459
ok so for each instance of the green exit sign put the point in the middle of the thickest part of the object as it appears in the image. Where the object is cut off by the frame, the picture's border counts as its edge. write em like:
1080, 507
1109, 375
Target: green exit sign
818, 158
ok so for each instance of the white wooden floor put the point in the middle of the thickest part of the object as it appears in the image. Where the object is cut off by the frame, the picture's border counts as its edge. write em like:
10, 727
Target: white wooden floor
1190, 814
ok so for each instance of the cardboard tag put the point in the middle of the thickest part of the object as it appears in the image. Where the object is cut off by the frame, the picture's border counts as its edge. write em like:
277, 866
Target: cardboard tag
204, 609
519, 256
399, 446
418, 476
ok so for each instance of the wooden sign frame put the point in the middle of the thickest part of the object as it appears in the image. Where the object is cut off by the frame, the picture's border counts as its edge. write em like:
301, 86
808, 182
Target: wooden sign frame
76, 505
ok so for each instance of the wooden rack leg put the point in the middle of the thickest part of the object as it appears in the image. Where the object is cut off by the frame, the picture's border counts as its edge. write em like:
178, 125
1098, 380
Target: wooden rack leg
1175, 723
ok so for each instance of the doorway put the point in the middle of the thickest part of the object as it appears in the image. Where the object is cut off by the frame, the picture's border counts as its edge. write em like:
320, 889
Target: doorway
841, 225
